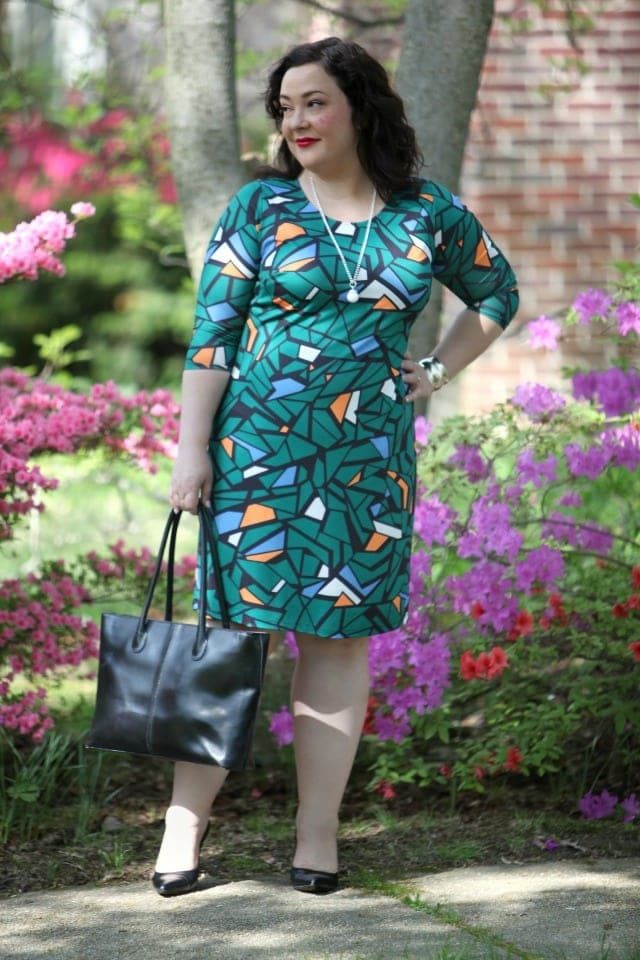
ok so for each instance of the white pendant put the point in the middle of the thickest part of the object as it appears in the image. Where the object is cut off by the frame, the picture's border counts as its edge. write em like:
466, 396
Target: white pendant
353, 296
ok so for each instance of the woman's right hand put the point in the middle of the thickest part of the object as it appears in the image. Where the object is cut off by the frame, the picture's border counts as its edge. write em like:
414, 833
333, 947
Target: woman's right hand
192, 480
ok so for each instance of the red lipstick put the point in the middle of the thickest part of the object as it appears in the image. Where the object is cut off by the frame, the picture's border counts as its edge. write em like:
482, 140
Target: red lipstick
305, 142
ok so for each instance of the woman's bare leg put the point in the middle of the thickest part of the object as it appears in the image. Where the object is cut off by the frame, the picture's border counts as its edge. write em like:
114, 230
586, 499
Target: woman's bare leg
329, 696
195, 787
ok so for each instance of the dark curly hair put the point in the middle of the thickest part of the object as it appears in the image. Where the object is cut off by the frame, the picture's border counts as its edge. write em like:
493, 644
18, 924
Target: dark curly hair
386, 142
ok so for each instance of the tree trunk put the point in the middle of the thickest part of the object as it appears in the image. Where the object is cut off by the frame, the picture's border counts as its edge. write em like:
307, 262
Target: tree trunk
202, 115
438, 76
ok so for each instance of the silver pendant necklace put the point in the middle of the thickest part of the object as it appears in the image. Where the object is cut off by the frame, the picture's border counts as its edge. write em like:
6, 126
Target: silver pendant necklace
352, 296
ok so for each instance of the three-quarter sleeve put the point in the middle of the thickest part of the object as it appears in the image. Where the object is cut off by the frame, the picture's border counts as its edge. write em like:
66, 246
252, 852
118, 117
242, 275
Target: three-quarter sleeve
468, 262
227, 284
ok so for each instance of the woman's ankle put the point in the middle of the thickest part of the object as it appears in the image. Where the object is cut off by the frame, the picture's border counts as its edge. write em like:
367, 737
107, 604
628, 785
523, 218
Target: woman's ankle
317, 847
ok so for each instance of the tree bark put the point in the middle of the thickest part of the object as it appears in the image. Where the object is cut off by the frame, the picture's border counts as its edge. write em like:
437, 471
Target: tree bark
202, 114
438, 77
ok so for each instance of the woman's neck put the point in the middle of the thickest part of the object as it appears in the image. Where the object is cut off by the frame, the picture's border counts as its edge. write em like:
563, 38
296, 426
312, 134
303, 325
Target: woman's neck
344, 196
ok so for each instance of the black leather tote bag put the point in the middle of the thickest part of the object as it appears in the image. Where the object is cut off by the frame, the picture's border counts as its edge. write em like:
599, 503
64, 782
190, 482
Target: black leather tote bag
176, 690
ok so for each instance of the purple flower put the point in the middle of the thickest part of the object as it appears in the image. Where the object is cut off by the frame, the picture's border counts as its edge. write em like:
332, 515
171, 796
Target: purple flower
596, 806
537, 401
535, 471
390, 728
560, 527
281, 727
551, 844
631, 808
544, 333
595, 538
570, 499
419, 569
431, 663
387, 652
485, 582
422, 430
586, 463
492, 522
289, 640
628, 317
433, 520
591, 304
469, 459
616, 391
542, 565
622, 446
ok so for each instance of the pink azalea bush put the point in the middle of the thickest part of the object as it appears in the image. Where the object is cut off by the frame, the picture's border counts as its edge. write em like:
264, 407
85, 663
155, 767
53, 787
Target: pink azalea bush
37, 417
45, 624
36, 245
522, 646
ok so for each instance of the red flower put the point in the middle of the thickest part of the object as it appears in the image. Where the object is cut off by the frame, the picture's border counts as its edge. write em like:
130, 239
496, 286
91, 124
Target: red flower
514, 759
479, 773
635, 576
523, 625
368, 725
385, 790
486, 665
468, 666
483, 664
476, 610
633, 603
498, 662
620, 610
634, 647
445, 770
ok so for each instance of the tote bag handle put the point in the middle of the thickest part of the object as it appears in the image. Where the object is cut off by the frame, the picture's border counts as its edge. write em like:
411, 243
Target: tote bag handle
206, 544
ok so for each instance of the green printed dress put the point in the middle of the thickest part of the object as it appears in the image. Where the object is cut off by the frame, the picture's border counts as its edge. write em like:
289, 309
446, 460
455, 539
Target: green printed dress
313, 443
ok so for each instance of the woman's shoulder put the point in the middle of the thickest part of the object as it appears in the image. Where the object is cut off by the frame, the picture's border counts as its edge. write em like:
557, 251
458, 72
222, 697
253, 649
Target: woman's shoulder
264, 190
435, 192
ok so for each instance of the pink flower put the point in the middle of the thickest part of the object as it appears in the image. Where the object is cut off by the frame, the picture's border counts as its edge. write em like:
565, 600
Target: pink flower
81, 210
628, 318
631, 808
544, 333
385, 789
591, 305
537, 401
422, 429
281, 727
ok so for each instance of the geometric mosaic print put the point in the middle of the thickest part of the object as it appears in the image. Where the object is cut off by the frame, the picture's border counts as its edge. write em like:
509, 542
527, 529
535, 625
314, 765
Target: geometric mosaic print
313, 443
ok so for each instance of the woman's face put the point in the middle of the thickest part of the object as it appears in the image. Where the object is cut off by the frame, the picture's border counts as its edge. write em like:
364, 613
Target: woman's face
316, 120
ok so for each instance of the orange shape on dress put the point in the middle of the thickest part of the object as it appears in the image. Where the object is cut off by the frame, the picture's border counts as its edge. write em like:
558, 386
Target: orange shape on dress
257, 513
286, 231
482, 258
343, 601
376, 541
249, 597
203, 357
339, 406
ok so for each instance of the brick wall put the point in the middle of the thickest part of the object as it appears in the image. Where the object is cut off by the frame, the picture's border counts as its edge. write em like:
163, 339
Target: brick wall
551, 179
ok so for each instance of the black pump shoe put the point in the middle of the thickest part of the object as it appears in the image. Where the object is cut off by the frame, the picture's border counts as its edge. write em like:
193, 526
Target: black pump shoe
178, 882
173, 884
313, 881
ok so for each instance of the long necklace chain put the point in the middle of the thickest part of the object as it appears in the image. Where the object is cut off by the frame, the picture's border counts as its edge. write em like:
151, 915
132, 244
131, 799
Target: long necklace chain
352, 296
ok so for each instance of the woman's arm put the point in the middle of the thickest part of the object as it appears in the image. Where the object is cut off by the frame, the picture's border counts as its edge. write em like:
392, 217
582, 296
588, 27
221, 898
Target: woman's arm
468, 336
202, 391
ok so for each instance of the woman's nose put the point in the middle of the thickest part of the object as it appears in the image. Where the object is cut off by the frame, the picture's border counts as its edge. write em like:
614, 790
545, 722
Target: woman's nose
298, 118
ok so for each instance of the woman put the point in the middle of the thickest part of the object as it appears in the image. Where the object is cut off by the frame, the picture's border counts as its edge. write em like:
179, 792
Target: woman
312, 281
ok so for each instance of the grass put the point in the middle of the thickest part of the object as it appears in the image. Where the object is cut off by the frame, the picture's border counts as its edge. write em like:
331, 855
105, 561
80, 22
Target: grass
96, 503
